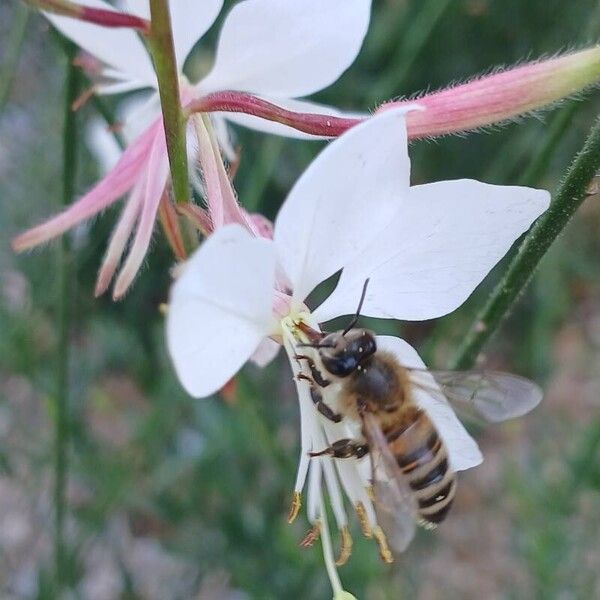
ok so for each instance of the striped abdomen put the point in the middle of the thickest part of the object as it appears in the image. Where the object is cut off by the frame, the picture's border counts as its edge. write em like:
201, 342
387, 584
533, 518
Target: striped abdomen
422, 457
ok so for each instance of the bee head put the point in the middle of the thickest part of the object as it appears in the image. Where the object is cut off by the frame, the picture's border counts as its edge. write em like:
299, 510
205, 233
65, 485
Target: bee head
343, 352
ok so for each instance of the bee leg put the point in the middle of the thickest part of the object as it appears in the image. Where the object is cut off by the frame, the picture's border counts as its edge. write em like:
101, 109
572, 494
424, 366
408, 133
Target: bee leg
316, 374
318, 401
345, 448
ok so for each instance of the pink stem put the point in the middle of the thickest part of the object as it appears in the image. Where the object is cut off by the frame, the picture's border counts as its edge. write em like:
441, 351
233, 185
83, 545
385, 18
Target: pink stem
240, 102
478, 103
110, 18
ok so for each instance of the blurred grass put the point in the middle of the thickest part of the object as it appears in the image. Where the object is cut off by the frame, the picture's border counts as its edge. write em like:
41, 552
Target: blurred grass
170, 495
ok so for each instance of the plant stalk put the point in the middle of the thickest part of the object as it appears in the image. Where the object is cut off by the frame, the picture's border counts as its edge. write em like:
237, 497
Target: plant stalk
64, 300
165, 65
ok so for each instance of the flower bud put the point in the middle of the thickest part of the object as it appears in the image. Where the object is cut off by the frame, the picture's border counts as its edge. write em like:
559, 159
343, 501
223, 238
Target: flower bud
502, 96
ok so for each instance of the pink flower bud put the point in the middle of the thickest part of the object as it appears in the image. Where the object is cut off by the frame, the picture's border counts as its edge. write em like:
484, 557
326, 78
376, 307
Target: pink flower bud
502, 96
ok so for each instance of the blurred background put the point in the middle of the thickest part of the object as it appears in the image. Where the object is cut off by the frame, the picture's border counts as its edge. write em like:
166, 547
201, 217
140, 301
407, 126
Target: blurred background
171, 498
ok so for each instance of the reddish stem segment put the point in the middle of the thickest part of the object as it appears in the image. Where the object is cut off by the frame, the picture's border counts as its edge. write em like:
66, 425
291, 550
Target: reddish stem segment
110, 18
240, 102
495, 98
98, 16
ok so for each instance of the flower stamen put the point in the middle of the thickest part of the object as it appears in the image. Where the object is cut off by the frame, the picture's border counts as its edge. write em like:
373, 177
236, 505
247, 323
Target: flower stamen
345, 548
361, 513
384, 549
295, 507
312, 535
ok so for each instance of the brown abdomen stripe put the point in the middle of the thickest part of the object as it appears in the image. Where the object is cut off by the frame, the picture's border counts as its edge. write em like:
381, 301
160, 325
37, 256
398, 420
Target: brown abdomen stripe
421, 455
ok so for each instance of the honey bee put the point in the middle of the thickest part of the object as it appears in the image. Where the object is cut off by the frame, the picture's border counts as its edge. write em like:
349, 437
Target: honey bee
412, 478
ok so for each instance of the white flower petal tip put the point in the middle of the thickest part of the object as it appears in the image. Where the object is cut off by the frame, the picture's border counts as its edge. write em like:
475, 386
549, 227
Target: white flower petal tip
291, 49
344, 199
190, 22
462, 449
430, 259
118, 48
220, 309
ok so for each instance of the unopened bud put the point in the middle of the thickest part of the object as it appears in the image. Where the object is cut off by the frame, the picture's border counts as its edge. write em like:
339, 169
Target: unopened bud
502, 96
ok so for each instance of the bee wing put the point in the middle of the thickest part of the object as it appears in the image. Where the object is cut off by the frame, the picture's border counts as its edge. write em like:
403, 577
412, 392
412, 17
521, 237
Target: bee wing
492, 395
394, 502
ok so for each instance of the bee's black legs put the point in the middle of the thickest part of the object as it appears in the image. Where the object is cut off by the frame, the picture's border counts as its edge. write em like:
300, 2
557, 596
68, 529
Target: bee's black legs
318, 401
316, 374
345, 448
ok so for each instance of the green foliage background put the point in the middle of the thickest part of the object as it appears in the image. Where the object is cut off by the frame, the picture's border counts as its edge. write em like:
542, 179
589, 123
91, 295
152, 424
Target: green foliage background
202, 487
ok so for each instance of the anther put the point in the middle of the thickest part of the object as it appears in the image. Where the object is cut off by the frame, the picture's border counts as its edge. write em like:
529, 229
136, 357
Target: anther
384, 549
312, 536
345, 548
370, 492
363, 519
294, 507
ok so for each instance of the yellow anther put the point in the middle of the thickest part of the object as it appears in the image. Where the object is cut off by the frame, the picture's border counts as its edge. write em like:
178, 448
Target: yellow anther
384, 549
370, 493
363, 519
163, 308
345, 547
294, 507
312, 536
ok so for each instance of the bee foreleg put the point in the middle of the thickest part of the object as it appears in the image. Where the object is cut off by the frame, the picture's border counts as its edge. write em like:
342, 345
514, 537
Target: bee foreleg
316, 374
345, 448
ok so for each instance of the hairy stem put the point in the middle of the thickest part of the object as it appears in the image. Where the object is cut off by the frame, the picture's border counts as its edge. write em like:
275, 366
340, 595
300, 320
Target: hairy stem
571, 193
64, 300
163, 55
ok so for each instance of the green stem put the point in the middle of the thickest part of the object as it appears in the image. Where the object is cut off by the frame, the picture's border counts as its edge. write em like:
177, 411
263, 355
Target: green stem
571, 193
163, 54
13, 52
65, 270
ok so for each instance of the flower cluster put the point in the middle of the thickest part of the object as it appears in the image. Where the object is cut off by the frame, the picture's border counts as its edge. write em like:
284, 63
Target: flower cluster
247, 290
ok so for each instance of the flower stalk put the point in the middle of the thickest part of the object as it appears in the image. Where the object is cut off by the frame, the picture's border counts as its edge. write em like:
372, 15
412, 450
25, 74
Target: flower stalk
479, 103
568, 198
98, 16
163, 55
64, 300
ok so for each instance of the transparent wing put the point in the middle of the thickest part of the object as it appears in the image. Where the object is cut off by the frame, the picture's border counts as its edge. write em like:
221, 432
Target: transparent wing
492, 395
394, 503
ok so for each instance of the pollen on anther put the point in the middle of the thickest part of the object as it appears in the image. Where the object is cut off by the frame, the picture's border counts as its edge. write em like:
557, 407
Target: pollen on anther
312, 535
294, 507
346, 547
363, 519
384, 549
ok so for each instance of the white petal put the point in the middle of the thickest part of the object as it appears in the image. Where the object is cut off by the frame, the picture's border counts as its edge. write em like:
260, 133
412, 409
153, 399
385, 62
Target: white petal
265, 353
220, 309
462, 449
102, 144
288, 49
342, 201
437, 250
302, 106
190, 20
119, 48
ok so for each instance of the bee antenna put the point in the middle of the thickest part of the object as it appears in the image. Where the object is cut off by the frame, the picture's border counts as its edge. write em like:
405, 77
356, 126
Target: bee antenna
360, 303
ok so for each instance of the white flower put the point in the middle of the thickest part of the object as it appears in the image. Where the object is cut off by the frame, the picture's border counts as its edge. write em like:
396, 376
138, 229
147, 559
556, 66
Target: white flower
271, 48
424, 248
